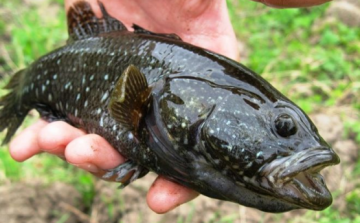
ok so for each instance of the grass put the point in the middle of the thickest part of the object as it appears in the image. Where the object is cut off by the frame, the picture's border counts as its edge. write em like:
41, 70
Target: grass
315, 63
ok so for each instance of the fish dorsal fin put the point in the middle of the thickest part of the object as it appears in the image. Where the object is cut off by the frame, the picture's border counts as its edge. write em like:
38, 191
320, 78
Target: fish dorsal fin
129, 98
139, 29
83, 23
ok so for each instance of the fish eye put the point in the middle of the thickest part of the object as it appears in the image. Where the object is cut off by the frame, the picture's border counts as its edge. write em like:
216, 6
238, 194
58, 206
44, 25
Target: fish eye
285, 125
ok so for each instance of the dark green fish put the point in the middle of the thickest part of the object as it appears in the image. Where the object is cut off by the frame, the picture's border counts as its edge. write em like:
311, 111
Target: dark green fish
194, 116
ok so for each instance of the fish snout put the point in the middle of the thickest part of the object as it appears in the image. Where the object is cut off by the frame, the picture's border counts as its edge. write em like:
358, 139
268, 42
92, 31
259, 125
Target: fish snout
297, 178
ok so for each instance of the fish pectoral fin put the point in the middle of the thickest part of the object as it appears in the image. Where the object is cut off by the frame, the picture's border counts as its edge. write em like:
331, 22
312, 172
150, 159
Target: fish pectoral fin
126, 173
83, 23
139, 29
130, 98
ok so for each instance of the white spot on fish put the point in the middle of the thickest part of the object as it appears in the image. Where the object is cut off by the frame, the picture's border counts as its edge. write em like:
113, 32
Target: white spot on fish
76, 112
50, 97
259, 154
271, 179
105, 96
87, 89
248, 165
55, 76
98, 111
130, 136
91, 77
106, 77
101, 121
58, 61
43, 88
67, 85
85, 103
78, 96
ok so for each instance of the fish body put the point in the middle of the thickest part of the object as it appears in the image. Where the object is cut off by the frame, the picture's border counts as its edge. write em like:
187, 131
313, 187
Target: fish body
194, 116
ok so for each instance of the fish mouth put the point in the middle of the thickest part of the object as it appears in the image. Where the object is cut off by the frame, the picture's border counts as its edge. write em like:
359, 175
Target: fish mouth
297, 179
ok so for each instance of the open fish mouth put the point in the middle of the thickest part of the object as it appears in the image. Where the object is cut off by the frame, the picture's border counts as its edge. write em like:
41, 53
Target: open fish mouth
297, 179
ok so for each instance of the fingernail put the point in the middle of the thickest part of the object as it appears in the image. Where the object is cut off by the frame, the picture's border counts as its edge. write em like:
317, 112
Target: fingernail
88, 167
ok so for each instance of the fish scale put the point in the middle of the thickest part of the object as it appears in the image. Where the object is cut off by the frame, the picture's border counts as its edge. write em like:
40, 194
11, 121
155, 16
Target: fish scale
198, 118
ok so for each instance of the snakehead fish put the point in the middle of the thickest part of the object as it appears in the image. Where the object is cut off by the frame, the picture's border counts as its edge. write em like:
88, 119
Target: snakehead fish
196, 117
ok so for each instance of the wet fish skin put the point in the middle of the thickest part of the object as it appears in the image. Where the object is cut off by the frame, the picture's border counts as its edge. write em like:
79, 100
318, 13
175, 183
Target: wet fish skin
194, 116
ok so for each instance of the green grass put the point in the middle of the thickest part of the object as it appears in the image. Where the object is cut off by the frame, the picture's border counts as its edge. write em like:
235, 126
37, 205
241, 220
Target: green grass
46, 29
289, 48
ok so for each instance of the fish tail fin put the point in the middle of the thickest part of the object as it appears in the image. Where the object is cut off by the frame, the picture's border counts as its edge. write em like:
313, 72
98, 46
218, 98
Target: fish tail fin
12, 111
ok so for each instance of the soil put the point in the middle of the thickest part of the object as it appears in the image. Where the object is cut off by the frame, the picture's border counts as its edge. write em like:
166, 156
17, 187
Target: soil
34, 203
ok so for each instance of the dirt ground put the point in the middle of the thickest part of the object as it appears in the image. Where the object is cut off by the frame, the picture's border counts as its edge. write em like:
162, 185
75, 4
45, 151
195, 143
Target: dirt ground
31, 202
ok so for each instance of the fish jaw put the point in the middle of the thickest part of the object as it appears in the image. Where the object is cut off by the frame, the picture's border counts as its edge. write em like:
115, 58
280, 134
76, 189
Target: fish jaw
297, 179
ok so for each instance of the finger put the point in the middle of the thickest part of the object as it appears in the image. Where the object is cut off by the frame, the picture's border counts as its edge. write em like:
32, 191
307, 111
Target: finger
25, 145
92, 153
292, 3
165, 195
54, 137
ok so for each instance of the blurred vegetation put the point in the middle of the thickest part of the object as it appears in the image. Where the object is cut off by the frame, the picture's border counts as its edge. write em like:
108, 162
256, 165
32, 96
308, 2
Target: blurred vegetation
315, 62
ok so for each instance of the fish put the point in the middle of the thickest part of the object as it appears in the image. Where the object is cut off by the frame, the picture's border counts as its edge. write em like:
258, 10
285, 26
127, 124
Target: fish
191, 115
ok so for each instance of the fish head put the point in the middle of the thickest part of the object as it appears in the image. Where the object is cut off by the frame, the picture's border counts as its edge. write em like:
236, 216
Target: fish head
272, 149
